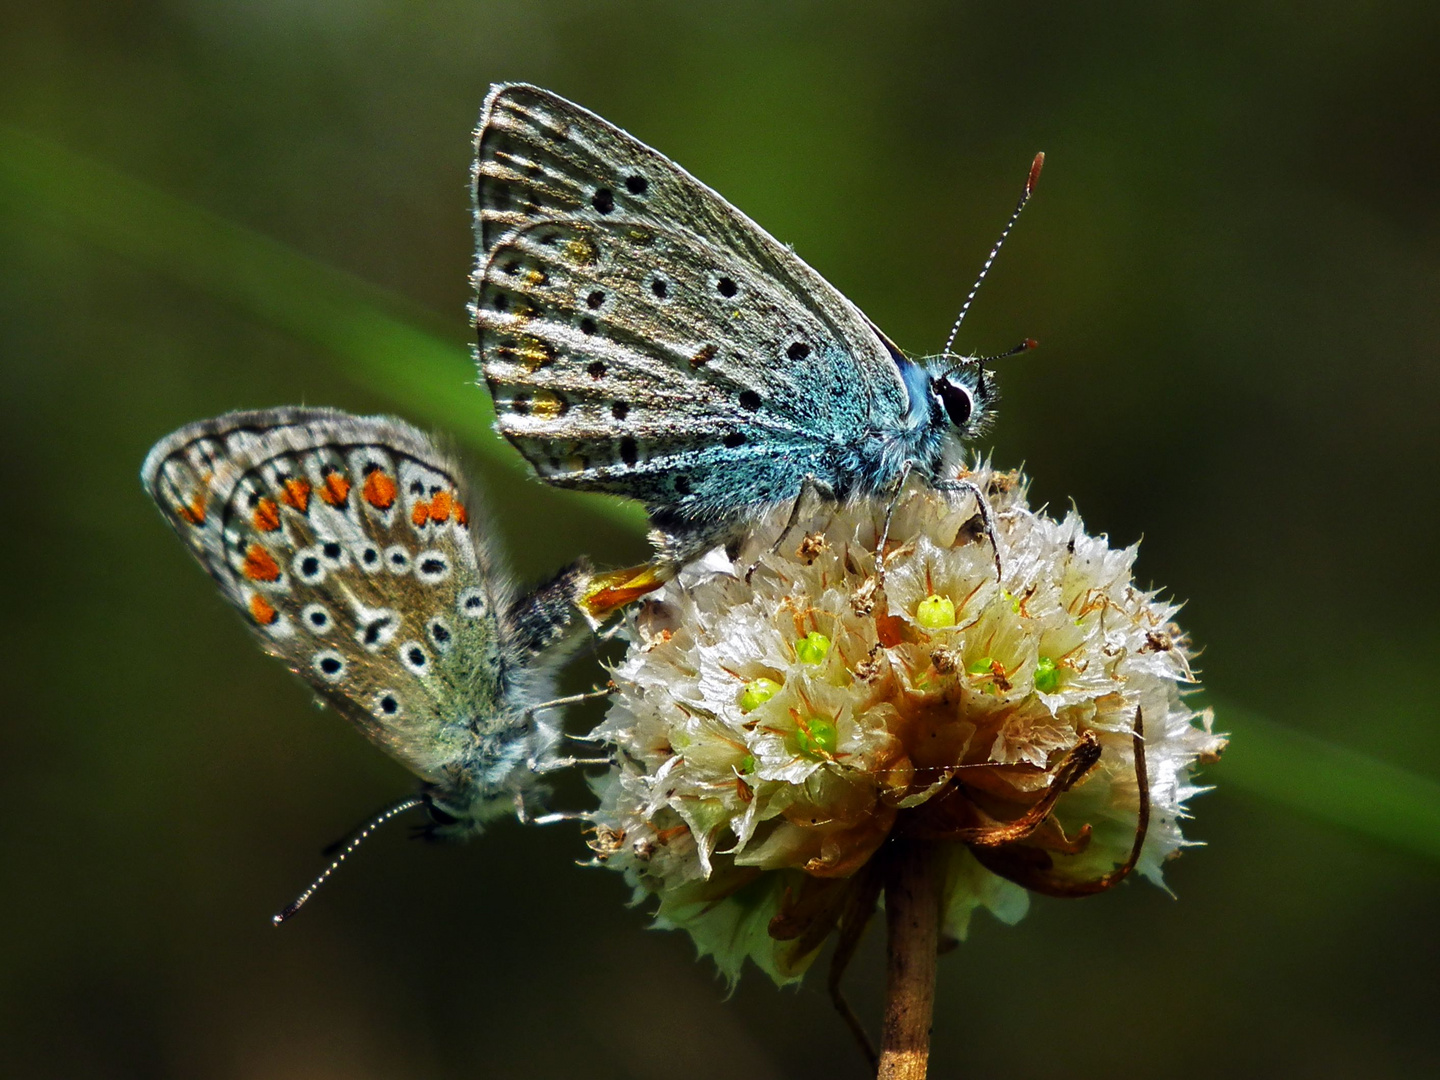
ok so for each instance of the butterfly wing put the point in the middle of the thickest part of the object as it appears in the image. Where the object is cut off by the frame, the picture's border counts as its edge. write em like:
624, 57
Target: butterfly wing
643, 336
344, 541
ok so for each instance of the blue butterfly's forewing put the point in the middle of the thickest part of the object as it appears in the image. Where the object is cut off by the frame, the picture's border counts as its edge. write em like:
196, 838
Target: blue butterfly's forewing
642, 336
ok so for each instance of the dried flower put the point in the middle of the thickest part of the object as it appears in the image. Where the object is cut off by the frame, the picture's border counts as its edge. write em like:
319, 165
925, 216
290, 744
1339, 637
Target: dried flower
780, 715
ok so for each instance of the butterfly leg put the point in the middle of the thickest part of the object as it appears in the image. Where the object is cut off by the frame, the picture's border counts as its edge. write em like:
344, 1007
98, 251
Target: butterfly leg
809, 485
556, 764
885, 527
525, 817
982, 504
608, 634
573, 699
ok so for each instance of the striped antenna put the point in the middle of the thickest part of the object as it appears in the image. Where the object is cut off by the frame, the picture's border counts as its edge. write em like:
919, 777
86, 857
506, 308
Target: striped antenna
980, 361
1030, 182
359, 838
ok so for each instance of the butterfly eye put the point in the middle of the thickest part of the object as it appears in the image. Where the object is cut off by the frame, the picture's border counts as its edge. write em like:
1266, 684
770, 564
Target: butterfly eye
958, 402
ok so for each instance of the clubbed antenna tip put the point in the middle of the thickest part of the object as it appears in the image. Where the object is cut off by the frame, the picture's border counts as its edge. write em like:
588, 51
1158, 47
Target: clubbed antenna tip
1030, 181
1034, 178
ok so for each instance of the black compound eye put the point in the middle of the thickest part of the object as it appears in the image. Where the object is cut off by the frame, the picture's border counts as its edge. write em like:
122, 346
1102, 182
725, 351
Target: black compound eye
957, 400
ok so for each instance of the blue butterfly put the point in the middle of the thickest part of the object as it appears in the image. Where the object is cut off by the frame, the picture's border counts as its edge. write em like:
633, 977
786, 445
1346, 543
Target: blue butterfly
641, 336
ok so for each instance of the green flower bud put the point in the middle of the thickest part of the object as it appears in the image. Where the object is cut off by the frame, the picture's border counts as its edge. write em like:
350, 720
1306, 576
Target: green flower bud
816, 736
756, 692
1047, 676
935, 612
812, 648
984, 666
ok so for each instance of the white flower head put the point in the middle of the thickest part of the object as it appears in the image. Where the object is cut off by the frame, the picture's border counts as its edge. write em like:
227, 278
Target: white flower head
780, 715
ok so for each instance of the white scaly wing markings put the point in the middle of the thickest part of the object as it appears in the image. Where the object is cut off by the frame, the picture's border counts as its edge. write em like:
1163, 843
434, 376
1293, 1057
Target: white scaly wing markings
226, 465
540, 157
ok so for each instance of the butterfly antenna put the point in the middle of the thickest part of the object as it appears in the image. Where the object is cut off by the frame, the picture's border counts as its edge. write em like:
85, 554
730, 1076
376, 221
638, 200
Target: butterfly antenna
1030, 182
359, 838
980, 361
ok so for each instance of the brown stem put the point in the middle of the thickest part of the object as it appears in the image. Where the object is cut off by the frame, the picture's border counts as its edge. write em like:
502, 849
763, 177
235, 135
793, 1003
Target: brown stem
912, 915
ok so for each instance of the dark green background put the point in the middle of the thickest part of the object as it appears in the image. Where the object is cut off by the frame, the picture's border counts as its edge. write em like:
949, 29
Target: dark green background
1232, 268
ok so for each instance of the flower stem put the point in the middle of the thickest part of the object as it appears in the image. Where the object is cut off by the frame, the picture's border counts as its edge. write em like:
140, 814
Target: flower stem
912, 915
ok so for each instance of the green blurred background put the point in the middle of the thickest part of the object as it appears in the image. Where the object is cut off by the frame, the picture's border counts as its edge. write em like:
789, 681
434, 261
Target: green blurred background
1232, 268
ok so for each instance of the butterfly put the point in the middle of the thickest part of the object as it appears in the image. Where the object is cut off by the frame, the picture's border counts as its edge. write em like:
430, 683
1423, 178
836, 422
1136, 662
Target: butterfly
643, 337
346, 542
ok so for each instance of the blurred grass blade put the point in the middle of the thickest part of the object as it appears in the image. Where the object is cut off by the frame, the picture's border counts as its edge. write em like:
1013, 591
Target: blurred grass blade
404, 353
393, 347
1330, 783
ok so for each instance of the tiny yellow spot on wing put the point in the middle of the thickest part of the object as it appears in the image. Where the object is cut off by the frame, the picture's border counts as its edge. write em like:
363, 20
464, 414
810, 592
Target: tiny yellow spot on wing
546, 405
581, 252
534, 353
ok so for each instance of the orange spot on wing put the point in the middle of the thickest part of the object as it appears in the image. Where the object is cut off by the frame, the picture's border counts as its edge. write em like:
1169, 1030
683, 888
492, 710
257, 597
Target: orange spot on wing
266, 516
420, 514
262, 611
259, 566
334, 489
296, 495
379, 490
461, 517
440, 506
195, 512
